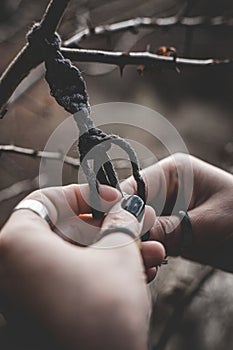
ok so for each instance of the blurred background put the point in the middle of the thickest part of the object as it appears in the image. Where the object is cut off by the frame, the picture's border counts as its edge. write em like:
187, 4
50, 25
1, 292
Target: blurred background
192, 305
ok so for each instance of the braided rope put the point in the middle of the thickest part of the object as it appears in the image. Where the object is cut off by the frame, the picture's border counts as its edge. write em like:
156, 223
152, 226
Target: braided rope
69, 89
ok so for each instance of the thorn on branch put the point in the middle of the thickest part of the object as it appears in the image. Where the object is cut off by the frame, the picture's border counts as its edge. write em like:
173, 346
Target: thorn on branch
141, 69
27, 59
121, 67
91, 28
134, 25
136, 58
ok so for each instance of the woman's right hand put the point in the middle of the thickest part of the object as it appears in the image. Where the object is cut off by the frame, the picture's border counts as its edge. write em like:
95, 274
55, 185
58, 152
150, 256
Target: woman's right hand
83, 298
210, 208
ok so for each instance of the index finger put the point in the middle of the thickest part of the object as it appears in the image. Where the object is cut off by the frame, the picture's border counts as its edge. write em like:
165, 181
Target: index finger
67, 201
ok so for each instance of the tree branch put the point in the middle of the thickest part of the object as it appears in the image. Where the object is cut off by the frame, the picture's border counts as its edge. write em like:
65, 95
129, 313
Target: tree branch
19, 68
32, 184
52, 16
22, 186
40, 154
59, 156
27, 59
136, 58
147, 22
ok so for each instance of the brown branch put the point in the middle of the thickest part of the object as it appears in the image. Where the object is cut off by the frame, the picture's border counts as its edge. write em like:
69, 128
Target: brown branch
147, 22
40, 154
52, 16
19, 68
21, 187
27, 59
176, 317
59, 156
26, 84
122, 59
32, 184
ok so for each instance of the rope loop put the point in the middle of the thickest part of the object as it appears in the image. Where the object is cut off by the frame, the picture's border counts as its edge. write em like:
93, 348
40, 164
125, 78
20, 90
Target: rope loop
68, 87
91, 139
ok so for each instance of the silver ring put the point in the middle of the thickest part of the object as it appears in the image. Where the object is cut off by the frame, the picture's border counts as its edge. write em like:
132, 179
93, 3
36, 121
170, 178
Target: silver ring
35, 206
118, 229
121, 229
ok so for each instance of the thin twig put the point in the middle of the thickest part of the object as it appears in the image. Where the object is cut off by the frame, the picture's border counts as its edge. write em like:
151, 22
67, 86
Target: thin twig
122, 58
33, 184
137, 58
22, 186
40, 154
27, 59
147, 22
74, 162
176, 317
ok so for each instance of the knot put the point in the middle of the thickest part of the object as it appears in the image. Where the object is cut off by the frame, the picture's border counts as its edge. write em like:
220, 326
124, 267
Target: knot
66, 84
92, 138
38, 39
68, 87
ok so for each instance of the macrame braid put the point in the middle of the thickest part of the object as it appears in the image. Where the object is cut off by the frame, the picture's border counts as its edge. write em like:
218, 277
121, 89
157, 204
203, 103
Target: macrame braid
69, 89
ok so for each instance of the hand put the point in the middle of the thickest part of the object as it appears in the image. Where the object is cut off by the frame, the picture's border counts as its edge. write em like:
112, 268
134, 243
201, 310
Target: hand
84, 298
210, 208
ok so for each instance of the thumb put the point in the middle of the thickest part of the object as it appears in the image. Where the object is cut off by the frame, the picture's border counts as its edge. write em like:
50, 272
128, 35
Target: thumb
124, 223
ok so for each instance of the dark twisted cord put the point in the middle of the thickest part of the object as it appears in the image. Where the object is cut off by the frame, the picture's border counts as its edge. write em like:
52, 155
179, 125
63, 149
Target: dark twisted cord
69, 89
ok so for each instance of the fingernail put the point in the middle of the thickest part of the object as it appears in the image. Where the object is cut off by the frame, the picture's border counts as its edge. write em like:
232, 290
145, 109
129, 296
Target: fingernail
134, 205
145, 237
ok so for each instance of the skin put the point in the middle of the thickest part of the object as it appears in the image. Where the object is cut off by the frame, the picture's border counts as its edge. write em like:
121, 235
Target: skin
83, 298
35, 263
210, 208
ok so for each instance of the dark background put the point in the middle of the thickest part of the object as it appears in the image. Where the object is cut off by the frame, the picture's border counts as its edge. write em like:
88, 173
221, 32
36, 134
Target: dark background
197, 102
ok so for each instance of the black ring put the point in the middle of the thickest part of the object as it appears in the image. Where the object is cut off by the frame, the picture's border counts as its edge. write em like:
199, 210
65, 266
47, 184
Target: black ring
186, 230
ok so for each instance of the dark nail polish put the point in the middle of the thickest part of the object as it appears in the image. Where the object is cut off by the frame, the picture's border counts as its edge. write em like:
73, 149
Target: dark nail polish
134, 205
145, 237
